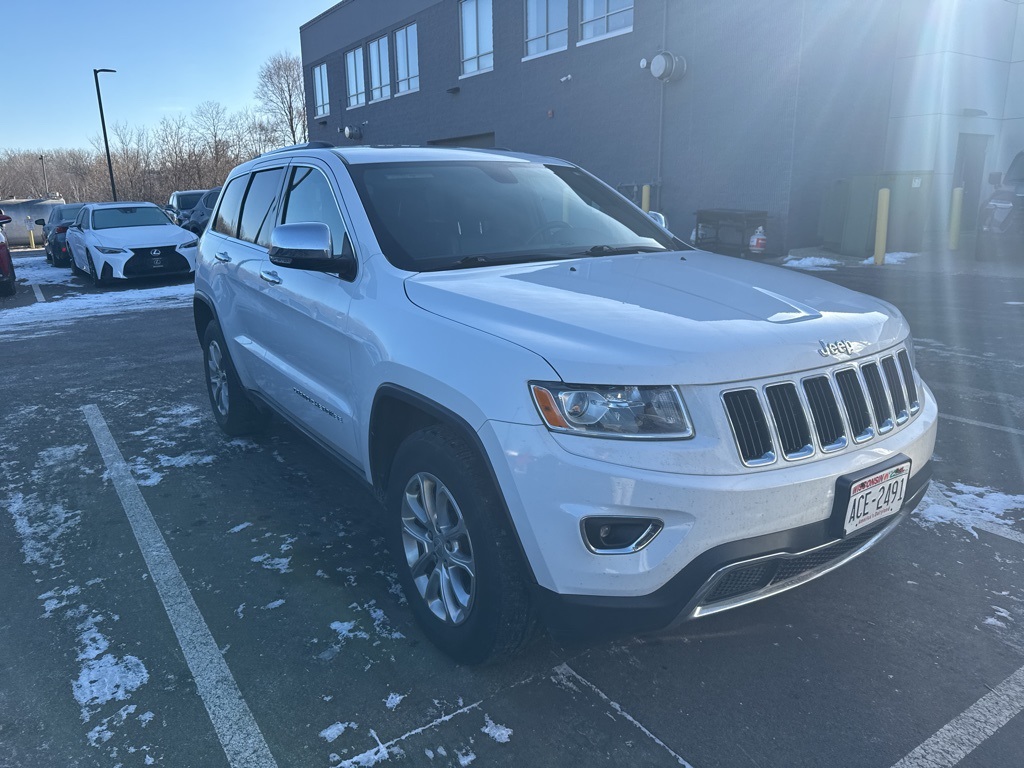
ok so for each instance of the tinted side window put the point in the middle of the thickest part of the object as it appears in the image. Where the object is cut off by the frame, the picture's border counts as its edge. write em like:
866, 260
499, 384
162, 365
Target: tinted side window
226, 221
260, 207
309, 198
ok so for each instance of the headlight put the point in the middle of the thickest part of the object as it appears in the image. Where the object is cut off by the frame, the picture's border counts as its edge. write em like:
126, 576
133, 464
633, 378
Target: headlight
190, 244
603, 411
101, 249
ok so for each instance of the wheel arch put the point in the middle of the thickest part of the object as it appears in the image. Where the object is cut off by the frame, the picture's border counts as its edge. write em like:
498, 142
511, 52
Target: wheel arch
399, 412
203, 314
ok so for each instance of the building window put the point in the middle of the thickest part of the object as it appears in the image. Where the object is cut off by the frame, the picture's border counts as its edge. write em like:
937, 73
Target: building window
323, 102
605, 17
477, 36
380, 69
355, 76
547, 25
407, 61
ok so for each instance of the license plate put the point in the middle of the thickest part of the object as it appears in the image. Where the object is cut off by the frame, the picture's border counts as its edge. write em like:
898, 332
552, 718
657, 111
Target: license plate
157, 262
876, 496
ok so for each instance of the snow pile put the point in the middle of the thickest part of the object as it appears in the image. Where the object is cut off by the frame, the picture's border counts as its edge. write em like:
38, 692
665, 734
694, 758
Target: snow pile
966, 506
34, 270
41, 319
812, 263
898, 257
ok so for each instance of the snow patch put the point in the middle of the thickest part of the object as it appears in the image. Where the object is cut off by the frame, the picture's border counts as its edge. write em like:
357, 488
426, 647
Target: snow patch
273, 605
966, 506
499, 733
107, 679
239, 527
190, 459
40, 527
279, 564
393, 700
102, 733
59, 456
331, 732
347, 630
897, 257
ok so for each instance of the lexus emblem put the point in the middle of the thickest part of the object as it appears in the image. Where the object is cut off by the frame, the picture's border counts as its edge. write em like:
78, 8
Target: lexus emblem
155, 252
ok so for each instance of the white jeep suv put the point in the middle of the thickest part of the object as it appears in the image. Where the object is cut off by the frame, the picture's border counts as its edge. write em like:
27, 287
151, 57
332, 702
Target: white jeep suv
567, 413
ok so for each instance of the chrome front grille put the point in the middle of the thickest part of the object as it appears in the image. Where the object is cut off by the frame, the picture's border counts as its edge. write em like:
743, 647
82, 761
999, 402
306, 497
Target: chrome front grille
822, 413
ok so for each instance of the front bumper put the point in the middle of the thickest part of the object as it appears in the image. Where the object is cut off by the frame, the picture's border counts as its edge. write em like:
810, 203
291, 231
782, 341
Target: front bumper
714, 525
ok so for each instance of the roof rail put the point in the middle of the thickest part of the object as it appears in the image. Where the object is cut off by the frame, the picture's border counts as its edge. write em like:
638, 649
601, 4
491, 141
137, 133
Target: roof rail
307, 145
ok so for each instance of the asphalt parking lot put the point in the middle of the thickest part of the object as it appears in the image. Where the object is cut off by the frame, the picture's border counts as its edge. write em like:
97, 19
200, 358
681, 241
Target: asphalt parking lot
178, 598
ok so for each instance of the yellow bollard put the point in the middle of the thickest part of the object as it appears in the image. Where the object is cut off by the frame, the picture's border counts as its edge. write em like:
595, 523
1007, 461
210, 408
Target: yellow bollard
881, 225
645, 198
955, 214
32, 238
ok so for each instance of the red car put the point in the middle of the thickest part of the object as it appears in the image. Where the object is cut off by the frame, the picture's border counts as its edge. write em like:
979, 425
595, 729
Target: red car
7, 278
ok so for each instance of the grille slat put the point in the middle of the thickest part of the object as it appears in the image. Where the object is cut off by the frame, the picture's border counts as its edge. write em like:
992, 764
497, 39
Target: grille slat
825, 412
875, 397
749, 426
790, 421
879, 401
896, 392
856, 405
908, 381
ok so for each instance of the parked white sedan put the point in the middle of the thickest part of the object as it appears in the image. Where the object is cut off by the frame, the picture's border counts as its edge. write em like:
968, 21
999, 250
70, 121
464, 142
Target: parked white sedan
112, 241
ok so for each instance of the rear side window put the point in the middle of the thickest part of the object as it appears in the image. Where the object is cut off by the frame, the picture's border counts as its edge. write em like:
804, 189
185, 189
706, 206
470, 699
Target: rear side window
310, 198
226, 221
259, 210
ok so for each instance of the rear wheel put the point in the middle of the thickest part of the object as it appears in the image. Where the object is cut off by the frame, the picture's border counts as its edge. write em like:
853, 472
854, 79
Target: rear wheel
233, 410
457, 557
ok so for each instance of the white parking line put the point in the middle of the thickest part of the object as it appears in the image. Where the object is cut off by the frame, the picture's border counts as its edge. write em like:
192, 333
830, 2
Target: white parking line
38, 292
953, 743
232, 719
1001, 530
985, 424
566, 670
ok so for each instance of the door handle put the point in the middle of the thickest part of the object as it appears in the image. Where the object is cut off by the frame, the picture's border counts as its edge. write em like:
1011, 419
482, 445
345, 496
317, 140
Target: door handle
271, 277
222, 256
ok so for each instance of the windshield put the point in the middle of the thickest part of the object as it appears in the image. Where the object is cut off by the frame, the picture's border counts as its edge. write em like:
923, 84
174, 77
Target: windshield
438, 215
68, 212
128, 216
187, 201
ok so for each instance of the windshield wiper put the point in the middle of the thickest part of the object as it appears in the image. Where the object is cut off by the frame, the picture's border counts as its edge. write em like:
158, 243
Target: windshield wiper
618, 250
519, 258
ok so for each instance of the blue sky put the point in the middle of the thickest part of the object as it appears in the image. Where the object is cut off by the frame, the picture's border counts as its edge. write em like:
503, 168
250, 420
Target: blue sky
170, 56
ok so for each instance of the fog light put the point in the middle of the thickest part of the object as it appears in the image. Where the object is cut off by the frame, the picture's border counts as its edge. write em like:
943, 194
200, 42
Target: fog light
618, 535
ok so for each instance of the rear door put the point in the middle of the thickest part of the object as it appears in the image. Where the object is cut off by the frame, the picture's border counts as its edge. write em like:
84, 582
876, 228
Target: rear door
236, 250
306, 336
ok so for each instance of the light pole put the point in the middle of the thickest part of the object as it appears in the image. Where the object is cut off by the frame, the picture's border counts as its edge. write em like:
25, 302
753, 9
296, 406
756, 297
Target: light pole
103, 123
46, 184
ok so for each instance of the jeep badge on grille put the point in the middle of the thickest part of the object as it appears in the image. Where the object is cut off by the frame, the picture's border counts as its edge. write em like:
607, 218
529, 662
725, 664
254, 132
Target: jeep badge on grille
835, 348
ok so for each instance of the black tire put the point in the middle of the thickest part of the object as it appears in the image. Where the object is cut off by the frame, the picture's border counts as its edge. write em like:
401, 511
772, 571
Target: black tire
497, 619
97, 279
8, 289
233, 410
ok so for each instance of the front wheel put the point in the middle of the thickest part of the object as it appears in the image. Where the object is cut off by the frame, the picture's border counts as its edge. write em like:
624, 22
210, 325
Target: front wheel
233, 410
457, 558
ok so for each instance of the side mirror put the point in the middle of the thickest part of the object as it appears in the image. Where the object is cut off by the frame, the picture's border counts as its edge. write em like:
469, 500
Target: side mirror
995, 178
40, 222
659, 219
307, 245
5, 219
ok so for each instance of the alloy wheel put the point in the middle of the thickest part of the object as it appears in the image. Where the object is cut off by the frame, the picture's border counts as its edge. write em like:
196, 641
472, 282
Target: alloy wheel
217, 377
438, 549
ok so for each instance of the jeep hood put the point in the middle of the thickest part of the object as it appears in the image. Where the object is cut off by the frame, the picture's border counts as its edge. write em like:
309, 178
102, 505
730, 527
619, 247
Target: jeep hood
664, 318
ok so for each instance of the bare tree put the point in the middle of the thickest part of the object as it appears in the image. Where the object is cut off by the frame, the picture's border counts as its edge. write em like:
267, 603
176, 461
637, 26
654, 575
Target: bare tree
282, 98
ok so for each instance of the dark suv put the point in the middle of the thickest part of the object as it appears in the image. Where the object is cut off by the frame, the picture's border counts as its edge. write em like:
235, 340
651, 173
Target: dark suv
181, 204
197, 219
55, 229
1001, 223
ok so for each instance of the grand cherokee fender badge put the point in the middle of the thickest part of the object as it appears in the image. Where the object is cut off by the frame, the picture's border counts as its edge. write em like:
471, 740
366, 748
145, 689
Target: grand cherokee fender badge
313, 402
838, 348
